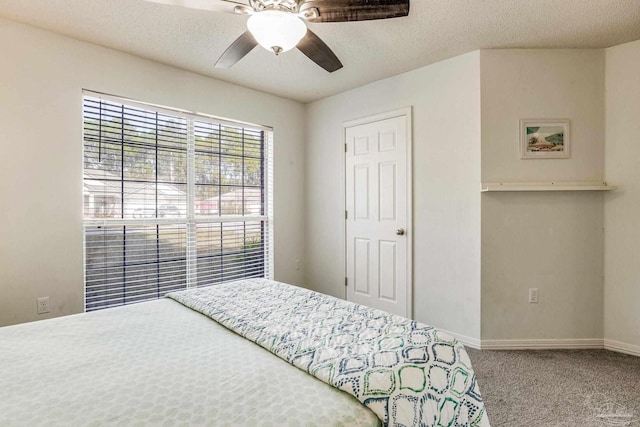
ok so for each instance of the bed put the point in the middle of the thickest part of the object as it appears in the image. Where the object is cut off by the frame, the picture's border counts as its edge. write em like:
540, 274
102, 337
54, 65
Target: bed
191, 359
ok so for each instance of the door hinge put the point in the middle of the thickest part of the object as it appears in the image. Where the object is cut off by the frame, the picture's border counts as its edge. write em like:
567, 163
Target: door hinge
345, 147
346, 215
346, 282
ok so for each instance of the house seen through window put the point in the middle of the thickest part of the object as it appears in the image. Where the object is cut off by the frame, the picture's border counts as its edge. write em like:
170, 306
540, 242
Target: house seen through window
171, 200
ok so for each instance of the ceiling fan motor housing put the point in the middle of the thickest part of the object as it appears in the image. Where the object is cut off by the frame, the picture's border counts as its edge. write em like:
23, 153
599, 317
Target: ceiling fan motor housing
284, 5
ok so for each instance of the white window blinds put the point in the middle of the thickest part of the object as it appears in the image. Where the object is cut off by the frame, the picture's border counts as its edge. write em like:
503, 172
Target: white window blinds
171, 200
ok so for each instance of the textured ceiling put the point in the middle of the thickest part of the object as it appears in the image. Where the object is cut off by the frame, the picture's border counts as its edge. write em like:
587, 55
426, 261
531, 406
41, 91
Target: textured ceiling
433, 31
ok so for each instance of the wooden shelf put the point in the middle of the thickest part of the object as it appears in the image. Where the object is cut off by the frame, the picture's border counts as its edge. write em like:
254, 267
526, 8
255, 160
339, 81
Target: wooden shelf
546, 186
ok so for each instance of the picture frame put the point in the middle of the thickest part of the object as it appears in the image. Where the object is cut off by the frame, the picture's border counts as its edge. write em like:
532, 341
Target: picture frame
545, 139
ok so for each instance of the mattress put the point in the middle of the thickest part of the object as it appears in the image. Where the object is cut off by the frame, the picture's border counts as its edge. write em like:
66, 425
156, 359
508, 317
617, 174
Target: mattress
157, 363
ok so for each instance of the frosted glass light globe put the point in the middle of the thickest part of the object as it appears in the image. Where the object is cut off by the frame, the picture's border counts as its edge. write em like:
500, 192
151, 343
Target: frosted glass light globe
275, 30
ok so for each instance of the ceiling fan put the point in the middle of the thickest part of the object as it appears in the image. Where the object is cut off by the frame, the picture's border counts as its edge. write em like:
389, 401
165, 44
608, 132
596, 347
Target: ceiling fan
280, 25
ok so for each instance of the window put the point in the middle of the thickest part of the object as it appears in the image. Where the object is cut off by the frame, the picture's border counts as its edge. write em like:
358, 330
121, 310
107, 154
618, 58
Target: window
171, 200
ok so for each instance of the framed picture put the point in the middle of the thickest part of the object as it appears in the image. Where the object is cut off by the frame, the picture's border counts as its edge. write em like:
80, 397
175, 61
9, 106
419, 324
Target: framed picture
544, 139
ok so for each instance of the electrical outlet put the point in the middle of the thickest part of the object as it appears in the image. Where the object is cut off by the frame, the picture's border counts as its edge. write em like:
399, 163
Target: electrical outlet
533, 295
43, 305
297, 264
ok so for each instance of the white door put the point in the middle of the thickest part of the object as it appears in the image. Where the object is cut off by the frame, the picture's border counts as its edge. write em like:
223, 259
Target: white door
378, 217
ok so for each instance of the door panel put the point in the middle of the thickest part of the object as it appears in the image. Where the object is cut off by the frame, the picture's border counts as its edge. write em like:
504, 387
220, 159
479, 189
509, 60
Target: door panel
361, 281
361, 191
387, 267
387, 141
387, 191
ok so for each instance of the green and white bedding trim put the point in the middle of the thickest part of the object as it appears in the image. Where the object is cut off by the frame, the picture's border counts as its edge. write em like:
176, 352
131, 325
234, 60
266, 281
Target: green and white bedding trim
407, 373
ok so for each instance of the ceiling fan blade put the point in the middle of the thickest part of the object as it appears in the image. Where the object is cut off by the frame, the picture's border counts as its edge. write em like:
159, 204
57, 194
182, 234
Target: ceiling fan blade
238, 49
355, 10
211, 5
317, 51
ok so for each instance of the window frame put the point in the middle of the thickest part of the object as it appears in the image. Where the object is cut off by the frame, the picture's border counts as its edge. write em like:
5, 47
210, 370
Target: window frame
191, 221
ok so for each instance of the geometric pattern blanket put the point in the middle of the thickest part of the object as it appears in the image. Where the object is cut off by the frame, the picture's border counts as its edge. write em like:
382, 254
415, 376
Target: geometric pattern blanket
407, 373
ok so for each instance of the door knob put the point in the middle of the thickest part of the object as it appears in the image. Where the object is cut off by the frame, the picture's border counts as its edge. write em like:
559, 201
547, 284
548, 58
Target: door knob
400, 231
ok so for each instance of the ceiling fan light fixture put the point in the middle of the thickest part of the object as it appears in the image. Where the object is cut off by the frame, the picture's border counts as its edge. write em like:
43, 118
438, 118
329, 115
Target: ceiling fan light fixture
276, 30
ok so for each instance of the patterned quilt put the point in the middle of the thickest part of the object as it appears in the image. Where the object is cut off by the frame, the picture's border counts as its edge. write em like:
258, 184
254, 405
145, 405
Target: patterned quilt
407, 373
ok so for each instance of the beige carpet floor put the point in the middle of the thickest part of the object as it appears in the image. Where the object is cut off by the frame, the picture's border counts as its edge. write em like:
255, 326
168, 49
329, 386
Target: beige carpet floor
559, 388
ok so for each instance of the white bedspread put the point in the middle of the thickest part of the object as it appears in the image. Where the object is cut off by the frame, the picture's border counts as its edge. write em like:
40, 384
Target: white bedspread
408, 373
157, 363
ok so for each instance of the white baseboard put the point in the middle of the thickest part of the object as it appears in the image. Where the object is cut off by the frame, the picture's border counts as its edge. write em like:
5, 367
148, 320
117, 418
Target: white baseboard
548, 344
622, 347
543, 344
465, 340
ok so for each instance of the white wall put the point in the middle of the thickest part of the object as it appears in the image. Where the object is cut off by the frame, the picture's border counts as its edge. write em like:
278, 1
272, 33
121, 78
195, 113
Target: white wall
551, 241
41, 79
622, 208
457, 104
446, 202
